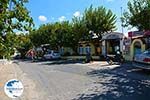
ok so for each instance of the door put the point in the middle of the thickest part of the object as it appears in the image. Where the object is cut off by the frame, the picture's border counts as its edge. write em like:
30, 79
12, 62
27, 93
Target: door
137, 48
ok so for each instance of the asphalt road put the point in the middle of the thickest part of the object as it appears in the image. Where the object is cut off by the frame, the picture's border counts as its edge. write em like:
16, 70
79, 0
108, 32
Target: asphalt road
77, 81
57, 81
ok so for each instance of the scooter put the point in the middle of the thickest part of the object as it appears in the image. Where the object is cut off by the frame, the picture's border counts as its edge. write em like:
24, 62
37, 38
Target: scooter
117, 59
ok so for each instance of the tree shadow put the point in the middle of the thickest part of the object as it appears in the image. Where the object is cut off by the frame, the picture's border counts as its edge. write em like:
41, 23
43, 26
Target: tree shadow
61, 62
22, 60
121, 83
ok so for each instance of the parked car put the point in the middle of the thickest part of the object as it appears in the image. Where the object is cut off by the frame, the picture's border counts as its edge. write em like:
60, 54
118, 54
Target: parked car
142, 60
51, 54
16, 55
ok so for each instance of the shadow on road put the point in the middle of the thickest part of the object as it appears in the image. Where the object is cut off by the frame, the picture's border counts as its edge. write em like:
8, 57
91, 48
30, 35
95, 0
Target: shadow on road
121, 83
51, 62
60, 62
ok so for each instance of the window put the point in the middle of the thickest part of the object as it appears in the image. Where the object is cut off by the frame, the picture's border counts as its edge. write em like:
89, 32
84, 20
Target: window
62, 50
88, 49
81, 50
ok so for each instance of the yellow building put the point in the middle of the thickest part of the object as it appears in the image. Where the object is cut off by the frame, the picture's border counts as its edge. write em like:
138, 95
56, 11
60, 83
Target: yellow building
86, 46
66, 51
139, 42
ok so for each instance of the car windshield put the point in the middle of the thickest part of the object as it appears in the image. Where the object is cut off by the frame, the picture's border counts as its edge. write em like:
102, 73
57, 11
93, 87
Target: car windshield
147, 52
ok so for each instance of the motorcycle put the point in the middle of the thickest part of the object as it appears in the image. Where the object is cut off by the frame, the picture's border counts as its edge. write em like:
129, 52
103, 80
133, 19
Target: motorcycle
117, 59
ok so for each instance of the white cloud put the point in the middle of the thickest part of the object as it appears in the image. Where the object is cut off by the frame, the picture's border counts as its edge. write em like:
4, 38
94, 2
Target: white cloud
42, 18
62, 18
77, 14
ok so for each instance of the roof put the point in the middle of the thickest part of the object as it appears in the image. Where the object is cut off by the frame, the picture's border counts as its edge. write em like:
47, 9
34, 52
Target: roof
113, 35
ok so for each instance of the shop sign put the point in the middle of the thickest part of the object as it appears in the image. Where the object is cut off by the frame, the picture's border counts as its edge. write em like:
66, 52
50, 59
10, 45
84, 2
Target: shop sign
130, 34
135, 33
147, 33
127, 41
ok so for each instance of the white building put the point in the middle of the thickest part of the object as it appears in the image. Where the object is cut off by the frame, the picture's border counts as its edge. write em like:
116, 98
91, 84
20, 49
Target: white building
111, 42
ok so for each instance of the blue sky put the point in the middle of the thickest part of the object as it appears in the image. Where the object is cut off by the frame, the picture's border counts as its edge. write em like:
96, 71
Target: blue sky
45, 11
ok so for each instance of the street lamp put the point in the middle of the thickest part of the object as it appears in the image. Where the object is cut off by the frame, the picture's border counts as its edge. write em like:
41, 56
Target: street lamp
121, 20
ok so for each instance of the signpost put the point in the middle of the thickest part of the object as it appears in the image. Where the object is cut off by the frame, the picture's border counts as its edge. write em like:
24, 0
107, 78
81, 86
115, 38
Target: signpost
127, 43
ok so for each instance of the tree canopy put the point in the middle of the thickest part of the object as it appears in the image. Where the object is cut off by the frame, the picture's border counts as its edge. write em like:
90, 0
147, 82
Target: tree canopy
14, 17
42, 35
100, 20
69, 33
137, 15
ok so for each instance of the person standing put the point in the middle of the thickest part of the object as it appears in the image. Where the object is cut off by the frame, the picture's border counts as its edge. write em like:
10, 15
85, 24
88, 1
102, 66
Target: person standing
88, 56
31, 53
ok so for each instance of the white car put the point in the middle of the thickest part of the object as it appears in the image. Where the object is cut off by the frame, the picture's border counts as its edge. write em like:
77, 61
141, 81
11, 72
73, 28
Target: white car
142, 60
16, 55
52, 55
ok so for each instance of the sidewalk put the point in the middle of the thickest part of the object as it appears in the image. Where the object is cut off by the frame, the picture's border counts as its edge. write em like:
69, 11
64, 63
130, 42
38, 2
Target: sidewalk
97, 65
101, 65
4, 62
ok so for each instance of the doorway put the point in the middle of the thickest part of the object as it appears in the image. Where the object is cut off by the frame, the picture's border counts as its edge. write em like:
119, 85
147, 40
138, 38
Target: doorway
137, 48
112, 46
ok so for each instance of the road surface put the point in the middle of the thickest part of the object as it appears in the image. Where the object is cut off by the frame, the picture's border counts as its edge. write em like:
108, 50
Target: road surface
52, 80
58, 81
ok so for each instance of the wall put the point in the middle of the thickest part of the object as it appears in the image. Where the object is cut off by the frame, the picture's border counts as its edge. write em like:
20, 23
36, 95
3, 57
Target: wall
65, 50
84, 45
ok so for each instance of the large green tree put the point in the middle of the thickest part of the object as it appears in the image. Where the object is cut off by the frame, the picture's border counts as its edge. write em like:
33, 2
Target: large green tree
58, 34
62, 34
68, 34
14, 17
13, 41
99, 20
41, 35
79, 32
137, 15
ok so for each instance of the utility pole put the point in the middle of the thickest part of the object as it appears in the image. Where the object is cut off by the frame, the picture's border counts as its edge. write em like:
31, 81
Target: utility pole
121, 21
